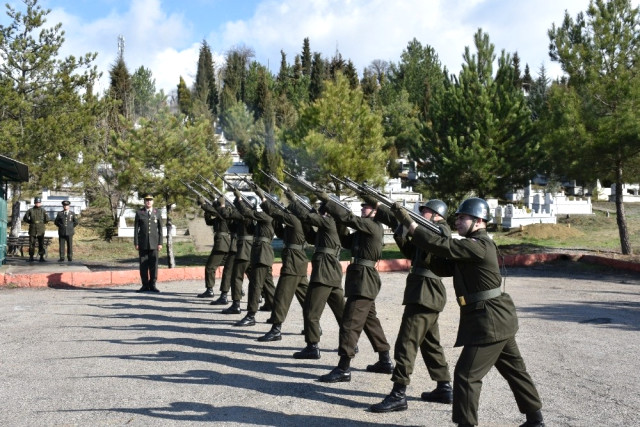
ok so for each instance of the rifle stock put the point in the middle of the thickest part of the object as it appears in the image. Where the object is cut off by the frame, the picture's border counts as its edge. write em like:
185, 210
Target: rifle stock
216, 190
370, 191
284, 188
312, 189
269, 196
242, 196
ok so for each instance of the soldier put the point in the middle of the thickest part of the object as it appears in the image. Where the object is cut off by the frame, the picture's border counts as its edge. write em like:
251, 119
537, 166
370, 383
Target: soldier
227, 272
36, 217
244, 231
488, 320
362, 285
293, 273
260, 275
220, 249
325, 283
147, 239
66, 221
424, 298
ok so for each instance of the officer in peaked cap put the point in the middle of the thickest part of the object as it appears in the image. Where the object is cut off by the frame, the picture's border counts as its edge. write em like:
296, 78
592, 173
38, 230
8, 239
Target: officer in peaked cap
66, 221
147, 238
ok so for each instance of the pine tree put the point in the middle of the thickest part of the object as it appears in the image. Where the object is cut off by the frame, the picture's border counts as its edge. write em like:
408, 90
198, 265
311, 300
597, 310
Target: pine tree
306, 58
185, 103
317, 77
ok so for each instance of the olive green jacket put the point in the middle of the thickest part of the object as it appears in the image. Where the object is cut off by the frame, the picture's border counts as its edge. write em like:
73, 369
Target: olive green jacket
262, 251
36, 218
221, 232
294, 259
243, 232
473, 263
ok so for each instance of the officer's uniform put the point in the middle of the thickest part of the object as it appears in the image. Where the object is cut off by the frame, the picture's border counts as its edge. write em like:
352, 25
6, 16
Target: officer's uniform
227, 272
66, 221
325, 282
36, 217
488, 322
293, 273
147, 236
362, 282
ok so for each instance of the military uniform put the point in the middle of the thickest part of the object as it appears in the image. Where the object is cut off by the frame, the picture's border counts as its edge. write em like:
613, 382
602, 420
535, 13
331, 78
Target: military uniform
227, 272
147, 236
488, 322
325, 282
362, 285
66, 221
260, 275
293, 273
220, 249
36, 217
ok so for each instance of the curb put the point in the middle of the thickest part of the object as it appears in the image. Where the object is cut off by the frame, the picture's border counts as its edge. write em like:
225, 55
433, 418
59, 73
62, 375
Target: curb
97, 279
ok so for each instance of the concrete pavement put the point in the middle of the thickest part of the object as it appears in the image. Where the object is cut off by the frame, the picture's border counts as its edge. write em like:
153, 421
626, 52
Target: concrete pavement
111, 356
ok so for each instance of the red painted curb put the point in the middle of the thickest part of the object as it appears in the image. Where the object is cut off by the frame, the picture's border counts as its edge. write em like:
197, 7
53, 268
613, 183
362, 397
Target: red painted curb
127, 277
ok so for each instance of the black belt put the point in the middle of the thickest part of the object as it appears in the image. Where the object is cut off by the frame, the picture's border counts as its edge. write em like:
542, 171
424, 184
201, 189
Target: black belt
294, 247
365, 262
478, 296
261, 239
335, 252
424, 272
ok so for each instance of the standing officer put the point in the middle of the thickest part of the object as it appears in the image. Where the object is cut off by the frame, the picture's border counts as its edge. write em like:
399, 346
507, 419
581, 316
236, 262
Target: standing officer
424, 298
362, 285
66, 221
325, 283
293, 274
488, 320
36, 217
147, 238
220, 249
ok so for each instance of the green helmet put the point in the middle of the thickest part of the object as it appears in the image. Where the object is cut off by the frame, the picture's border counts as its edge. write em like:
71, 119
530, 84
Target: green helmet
475, 207
438, 206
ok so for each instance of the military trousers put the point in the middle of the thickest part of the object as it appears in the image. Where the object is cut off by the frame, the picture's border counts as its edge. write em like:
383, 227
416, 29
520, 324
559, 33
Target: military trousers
260, 281
240, 268
288, 286
360, 314
319, 295
215, 260
68, 242
148, 266
475, 362
32, 245
227, 272
419, 330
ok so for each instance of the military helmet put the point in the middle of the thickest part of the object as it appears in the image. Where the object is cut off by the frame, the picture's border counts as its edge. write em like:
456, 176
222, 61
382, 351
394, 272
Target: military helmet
475, 207
37, 200
438, 206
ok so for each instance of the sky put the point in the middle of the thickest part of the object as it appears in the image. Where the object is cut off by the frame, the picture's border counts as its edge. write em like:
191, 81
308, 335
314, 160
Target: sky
165, 35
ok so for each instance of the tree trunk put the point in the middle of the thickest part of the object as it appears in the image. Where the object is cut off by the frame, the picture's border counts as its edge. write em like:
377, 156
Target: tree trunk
16, 219
621, 219
171, 260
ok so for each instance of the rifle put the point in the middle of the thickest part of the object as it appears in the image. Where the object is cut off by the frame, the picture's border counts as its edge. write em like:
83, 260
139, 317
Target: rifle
217, 190
284, 188
312, 189
196, 192
370, 191
269, 196
242, 196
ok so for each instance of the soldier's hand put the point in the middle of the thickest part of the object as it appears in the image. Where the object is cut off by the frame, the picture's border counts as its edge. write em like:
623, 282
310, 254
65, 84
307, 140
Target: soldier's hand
221, 201
322, 195
401, 214
369, 200
260, 193
445, 231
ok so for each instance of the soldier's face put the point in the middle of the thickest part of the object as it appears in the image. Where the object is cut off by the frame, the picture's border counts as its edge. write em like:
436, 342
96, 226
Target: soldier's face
148, 203
65, 207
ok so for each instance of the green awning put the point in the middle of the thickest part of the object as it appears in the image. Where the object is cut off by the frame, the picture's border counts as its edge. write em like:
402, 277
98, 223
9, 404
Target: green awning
13, 170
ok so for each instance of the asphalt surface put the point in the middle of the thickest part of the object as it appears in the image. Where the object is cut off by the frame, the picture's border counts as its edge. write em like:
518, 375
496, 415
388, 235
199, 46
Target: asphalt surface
111, 356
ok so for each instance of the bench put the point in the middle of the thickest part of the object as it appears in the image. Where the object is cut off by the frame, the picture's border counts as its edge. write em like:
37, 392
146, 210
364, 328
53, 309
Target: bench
15, 244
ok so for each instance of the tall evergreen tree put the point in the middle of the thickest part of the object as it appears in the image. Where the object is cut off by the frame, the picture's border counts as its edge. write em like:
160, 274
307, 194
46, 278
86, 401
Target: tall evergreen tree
121, 87
205, 88
144, 92
306, 58
317, 77
594, 121
185, 103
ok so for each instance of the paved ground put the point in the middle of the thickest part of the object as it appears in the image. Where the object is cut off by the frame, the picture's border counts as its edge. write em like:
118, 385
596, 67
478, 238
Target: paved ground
110, 356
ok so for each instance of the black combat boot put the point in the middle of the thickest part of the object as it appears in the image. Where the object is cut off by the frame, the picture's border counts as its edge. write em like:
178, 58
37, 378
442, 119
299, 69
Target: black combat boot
232, 309
273, 335
152, 288
61, 260
441, 394
222, 299
248, 320
311, 351
339, 374
144, 288
208, 293
534, 419
42, 258
382, 366
31, 258
395, 401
